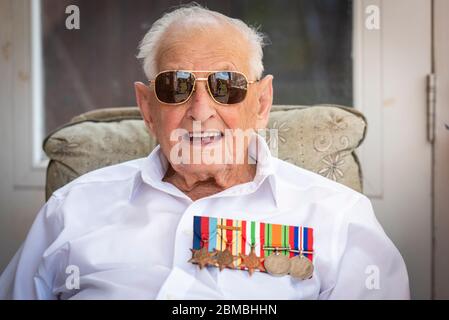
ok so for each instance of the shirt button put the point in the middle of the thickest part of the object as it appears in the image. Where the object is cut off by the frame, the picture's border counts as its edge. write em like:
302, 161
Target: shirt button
170, 297
188, 232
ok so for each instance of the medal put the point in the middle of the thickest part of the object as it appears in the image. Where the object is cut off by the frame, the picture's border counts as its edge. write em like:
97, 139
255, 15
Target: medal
251, 261
202, 256
300, 267
277, 264
235, 244
225, 259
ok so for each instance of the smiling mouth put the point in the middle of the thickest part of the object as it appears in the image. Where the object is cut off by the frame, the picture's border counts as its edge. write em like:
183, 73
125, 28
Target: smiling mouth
204, 137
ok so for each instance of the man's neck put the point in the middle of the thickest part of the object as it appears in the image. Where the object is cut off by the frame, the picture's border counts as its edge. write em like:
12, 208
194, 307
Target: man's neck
198, 186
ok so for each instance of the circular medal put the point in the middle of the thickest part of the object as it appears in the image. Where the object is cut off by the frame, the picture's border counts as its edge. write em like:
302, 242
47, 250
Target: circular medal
301, 267
277, 264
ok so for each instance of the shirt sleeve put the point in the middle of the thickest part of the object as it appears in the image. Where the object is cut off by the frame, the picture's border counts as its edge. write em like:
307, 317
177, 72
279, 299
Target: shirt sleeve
20, 280
370, 266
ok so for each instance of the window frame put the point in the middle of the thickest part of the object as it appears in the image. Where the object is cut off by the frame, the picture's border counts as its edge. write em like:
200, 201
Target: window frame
367, 93
26, 75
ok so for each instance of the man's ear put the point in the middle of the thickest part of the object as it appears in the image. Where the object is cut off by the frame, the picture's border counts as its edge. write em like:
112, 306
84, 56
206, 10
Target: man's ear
265, 101
143, 101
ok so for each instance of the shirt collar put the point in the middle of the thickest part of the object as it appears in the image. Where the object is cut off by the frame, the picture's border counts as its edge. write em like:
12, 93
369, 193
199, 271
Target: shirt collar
156, 164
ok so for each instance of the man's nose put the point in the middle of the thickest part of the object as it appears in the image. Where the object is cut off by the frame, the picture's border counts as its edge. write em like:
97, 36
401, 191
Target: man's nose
201, 107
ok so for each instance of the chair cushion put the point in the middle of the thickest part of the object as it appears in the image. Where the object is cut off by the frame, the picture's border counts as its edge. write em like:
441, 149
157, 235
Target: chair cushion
318, 138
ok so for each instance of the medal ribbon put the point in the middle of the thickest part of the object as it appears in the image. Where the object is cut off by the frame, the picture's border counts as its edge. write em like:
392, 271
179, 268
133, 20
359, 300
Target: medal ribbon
240, 235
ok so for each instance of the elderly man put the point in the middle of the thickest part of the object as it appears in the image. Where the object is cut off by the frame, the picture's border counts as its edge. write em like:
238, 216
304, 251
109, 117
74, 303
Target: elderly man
208, 214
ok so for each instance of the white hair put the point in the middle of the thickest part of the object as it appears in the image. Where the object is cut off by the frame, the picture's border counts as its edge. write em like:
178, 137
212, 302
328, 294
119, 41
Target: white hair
194, 14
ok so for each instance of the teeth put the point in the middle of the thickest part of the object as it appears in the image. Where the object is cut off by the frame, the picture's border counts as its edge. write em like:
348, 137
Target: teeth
202, 135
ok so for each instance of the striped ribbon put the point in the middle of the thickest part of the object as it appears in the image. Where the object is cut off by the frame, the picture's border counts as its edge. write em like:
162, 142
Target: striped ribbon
240, 235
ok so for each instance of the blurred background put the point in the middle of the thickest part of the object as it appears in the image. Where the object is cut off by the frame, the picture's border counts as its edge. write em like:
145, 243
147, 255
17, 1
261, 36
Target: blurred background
387, 59
96, 65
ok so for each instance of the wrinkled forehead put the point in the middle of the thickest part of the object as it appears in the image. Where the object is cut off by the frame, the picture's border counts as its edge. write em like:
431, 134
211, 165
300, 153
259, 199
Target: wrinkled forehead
205, 47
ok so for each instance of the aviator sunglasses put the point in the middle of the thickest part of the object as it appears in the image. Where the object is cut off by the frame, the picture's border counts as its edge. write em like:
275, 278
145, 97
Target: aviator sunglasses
175, 87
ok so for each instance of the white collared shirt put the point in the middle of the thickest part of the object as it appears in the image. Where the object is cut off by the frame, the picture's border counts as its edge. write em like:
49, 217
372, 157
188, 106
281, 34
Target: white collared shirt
121, 232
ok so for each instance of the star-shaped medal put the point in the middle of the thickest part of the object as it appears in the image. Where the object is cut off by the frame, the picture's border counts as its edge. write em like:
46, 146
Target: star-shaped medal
202, 257
225, 259
252, 261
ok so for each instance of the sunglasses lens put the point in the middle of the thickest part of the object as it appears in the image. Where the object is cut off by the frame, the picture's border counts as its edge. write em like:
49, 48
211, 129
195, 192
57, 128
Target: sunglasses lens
174, 86
228, 87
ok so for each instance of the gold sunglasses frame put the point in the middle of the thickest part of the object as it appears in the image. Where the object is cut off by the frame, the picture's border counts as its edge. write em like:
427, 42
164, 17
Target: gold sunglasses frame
209, 72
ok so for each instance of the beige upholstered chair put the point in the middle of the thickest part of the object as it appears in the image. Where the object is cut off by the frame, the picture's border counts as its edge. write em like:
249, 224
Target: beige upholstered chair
318, 138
